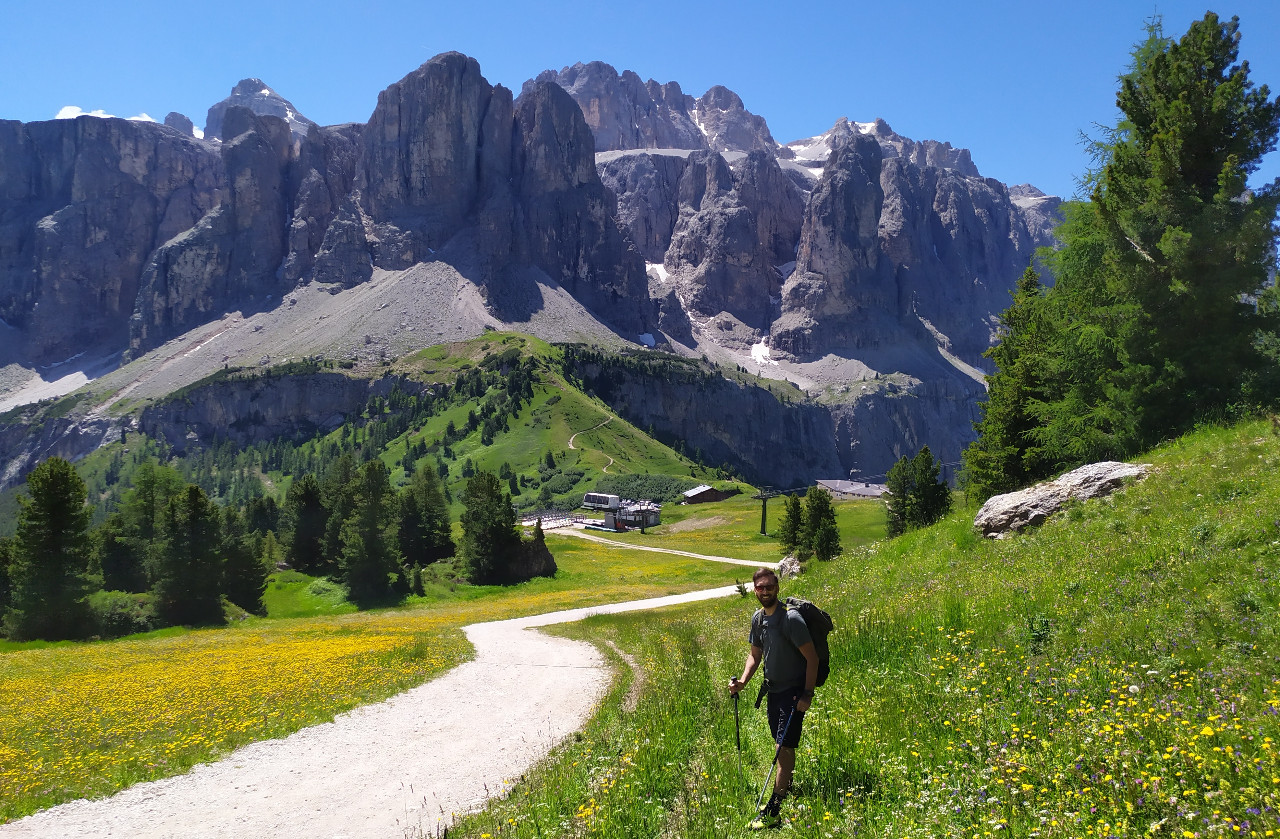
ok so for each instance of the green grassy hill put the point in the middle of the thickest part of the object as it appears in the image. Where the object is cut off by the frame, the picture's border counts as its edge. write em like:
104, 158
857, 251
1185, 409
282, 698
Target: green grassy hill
405, 434
1114, 673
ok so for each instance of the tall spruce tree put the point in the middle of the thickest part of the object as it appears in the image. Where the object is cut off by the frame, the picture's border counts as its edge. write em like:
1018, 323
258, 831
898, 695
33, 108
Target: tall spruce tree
490, 543
369, 560
305, 517
49, 557
188, 564
822, 536
424, 530
339, 491
1006, 452
1150, 325
791, 529
1188, 244
917, 495
243, 573
6, 555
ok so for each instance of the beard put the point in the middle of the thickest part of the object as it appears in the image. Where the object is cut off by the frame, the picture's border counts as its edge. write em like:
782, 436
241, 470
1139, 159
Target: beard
767, 599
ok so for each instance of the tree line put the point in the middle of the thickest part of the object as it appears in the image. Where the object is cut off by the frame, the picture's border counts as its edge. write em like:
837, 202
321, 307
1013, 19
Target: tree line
170, 555
1162, 313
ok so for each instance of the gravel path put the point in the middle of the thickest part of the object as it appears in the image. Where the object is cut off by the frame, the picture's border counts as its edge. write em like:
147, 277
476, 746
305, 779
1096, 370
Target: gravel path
591, 537
397, 768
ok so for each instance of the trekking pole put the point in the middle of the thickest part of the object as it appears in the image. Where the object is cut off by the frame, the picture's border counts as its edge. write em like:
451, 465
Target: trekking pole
737, 730
776, 752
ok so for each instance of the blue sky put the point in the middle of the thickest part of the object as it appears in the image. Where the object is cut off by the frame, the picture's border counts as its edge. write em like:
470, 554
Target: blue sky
1014, 82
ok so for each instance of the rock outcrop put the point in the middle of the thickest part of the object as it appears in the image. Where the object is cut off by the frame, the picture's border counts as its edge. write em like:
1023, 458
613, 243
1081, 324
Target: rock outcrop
626, 113
230, 256
734, 229
566, 218
842, 295
765, 439
254, 95
1009, 513
900, 239
246, 410
83, 205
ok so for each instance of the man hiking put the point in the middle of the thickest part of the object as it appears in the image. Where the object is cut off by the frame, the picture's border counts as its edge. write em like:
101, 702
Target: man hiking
779, 637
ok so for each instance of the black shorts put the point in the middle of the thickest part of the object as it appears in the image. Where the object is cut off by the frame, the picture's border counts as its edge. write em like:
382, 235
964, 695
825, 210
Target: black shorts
782, 706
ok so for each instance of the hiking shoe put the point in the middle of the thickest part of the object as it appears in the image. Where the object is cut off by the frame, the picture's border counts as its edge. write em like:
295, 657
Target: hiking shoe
766, 821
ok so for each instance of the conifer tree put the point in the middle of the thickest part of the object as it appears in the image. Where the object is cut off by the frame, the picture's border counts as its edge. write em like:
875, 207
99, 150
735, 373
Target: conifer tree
917, 497
339, 501
305, 518
1151, 324
822, 536
120, 556
791, 528
1006, 453
49, 557
424, 529
244, 574
188, 565
1188, 244
490, 542
369, 560
6, 555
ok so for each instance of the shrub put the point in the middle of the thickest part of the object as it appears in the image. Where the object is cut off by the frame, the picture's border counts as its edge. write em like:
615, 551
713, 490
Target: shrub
114, 614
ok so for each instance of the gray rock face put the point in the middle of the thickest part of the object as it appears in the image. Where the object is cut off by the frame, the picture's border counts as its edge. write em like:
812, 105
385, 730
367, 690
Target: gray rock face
766, 440
648, 203
180, 122
914, 241
232, 254
729, 126
1040, 210
842, 292
248, 410
935, 408
733, 229
813, 151
254, 95
321, 179
625, 113
83, 203
438, 144
25, 444
1008, 513
566, 215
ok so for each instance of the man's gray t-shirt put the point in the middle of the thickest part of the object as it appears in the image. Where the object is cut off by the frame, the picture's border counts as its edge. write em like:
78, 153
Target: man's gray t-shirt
784, 666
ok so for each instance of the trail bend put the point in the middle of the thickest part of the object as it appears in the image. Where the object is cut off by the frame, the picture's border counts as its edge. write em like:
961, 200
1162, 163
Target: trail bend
401, 767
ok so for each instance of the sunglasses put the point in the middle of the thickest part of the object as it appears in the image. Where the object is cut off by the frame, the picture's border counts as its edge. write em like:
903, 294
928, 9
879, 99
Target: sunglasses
771, 587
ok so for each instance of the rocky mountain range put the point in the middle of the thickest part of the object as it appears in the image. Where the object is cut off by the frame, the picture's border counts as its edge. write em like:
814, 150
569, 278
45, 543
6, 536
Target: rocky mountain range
867, 267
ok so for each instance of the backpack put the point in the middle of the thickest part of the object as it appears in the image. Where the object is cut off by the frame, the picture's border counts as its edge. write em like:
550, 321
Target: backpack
820, 626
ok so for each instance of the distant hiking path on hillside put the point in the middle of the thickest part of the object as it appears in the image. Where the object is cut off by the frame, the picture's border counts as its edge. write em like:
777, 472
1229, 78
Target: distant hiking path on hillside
604, 470
402, 767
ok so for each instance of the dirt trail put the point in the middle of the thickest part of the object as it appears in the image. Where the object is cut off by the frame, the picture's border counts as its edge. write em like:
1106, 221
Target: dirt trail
398, 768
591, 537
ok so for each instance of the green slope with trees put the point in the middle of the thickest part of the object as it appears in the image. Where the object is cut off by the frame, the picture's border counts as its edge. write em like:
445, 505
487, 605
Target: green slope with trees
417, 490
1160, 314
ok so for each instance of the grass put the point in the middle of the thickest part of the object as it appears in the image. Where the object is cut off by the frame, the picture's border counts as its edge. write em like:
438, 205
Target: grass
1114, 673
89, 719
